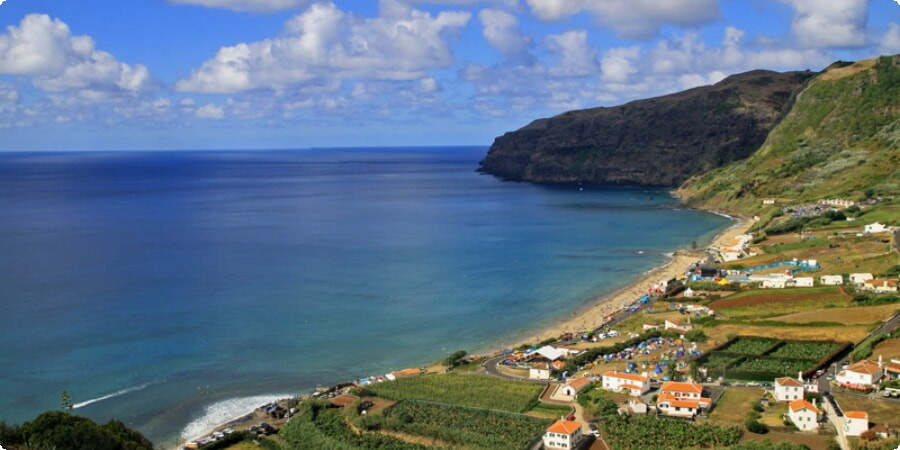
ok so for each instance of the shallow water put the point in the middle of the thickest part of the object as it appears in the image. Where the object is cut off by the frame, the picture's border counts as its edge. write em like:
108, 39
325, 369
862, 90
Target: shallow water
152, 285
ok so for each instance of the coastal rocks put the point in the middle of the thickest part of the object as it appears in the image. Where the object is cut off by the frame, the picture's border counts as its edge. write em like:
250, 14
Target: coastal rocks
655, 142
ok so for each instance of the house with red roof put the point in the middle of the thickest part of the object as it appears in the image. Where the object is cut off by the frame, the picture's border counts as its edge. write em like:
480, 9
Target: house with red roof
804, 415
860, 375
788, 389
681, 399
892, 369
563, 435
574, 387
856, 422
632, 383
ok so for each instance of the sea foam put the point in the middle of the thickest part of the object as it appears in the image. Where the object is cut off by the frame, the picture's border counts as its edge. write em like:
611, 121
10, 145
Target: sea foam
109, 396
224, 411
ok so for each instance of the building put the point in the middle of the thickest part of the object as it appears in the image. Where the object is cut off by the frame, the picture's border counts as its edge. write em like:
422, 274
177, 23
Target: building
774, 283
636, 406
861, 375
892, 370
539, 371
875, 228
689, 292
804, 282
788, 389
831, 280
652, 326
574, 387
550, 353
856, 422
768, 201
681, 399
881, 285
678, 325
804, 415
563, 434
403, 373
634, 384
860, 278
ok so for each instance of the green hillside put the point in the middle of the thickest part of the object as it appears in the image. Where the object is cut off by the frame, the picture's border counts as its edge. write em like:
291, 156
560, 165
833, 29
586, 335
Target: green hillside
841, 139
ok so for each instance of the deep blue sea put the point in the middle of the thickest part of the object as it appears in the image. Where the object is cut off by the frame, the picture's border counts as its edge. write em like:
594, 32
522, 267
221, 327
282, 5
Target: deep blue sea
175, 289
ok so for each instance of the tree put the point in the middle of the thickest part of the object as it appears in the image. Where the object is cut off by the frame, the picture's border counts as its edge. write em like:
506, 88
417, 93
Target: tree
454, 358
696, 335
694, 245
65, 402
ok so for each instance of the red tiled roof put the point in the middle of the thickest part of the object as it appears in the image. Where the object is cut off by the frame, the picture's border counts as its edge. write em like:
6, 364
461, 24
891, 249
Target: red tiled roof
798, 405
564, 427
674, 386
856, 415
627, 376
864, 366
580, 383
787, 381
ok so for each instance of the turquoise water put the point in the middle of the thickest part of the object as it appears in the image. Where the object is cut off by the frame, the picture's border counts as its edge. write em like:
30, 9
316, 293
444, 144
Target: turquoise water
162, 288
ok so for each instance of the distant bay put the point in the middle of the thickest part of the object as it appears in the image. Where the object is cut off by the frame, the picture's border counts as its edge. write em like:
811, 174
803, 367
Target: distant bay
152, 285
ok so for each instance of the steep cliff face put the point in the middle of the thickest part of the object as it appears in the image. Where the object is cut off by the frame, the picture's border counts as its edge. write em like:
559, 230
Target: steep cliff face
657, 142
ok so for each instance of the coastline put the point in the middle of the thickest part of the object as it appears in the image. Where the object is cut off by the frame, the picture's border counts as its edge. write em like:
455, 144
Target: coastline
591, 316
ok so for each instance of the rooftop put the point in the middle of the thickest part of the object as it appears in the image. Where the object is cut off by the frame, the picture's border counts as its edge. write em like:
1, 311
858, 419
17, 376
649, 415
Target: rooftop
564, 427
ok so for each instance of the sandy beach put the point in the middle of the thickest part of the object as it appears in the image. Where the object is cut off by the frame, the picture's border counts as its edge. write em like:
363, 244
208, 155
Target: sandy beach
594, 316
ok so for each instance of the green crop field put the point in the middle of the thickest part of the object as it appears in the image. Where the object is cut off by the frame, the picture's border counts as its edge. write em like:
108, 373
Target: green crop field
465, 390
762, 359
805, 350
651, 433
750, 346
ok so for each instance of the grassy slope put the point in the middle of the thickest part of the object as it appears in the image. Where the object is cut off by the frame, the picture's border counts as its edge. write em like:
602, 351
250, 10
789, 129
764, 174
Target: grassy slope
841, 137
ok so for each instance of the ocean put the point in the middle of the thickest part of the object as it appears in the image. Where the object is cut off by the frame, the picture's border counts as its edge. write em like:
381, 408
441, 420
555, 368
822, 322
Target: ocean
173, 290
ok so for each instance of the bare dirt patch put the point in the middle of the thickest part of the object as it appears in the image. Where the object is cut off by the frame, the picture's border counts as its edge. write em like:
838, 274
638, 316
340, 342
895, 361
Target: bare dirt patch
850, 316
887, 349
850, 333
763, 297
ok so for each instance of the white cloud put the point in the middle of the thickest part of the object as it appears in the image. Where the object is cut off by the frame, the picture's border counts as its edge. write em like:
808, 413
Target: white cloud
631, 19
576, 58
45, 49
245, 5
500, 30
830, 23
890, 42
618, 64
210, 111
325, 43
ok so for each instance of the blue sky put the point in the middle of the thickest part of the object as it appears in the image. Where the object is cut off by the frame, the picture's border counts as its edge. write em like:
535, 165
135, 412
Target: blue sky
222, 74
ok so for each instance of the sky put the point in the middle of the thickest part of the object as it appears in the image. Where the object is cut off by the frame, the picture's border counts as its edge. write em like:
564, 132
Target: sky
279, 74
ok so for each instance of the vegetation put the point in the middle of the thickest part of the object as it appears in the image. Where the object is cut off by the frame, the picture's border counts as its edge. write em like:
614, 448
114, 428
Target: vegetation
465, 390
768, 445
462, 426
63, 431
592, 354
596, 402
650, 433
805, 350
751, 346
317, 425
454, 359
864, 350
761, 359
696, 335
838, 140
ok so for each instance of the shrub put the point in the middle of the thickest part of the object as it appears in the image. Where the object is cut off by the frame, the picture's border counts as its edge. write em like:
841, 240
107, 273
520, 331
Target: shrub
755, 426
696, 335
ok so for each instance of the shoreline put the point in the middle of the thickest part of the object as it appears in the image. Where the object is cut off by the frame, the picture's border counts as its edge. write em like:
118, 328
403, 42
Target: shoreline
592, 315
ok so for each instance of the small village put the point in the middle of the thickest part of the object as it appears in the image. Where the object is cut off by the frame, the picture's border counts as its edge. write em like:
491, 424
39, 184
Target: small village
792, 338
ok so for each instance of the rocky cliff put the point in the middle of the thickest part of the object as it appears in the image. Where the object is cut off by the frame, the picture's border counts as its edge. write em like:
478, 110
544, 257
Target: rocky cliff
657, 142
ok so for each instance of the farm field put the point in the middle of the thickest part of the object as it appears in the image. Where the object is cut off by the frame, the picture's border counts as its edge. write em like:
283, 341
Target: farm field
813, 441
880, 411
887, 349
651, 433
849, 333
732, 407
476, 391
761, 359
850, 316
775, 302
468, 427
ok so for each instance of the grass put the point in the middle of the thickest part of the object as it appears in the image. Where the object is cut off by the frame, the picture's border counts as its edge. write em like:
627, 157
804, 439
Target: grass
732, 407
887, 349
849, 316
880, 411
764, 303
549, 411
465, 390
849, 333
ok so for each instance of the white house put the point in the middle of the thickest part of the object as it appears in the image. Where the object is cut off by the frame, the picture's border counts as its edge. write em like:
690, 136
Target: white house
563, 435
875, 228
681, 399
804, 415
860, 278
892, 370
861, 375
804, 282
831, 280
788, 389
652, 326
636, 385
539, 371
636, 406
774, 283
689, 292
856, 422
677, 325
573, 387
881, 285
